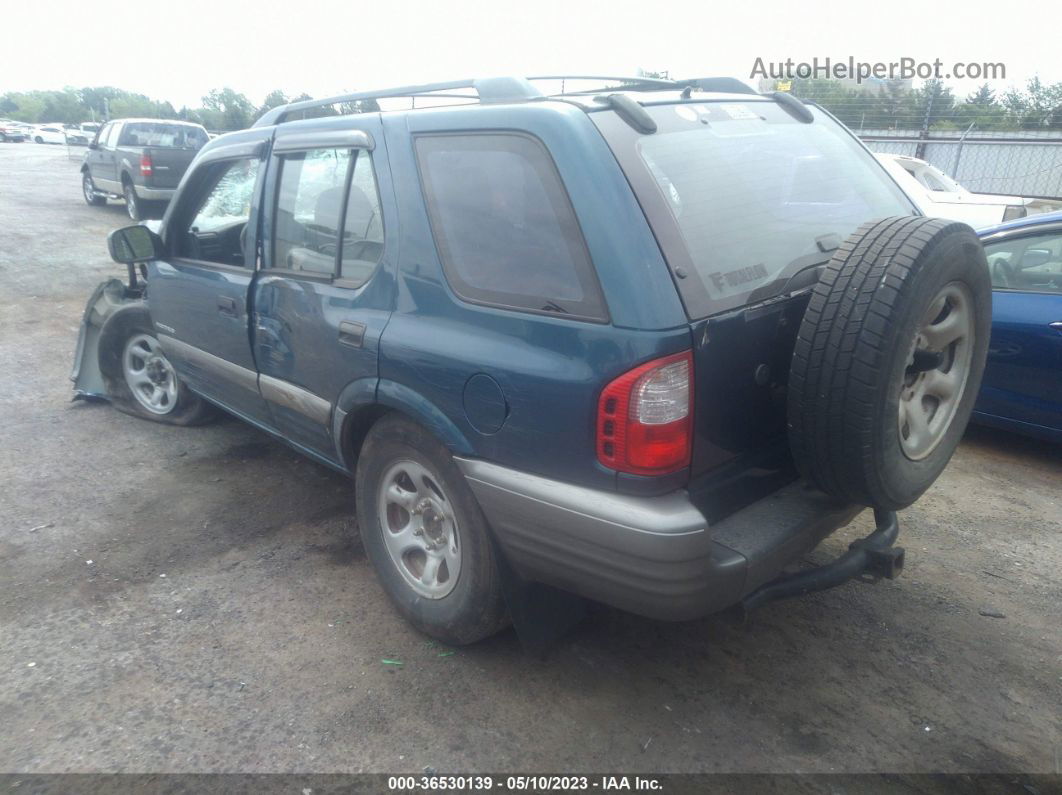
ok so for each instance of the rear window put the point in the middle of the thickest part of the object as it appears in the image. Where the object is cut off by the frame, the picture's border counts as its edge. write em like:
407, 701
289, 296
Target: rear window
162, 136
504, 226
741, 195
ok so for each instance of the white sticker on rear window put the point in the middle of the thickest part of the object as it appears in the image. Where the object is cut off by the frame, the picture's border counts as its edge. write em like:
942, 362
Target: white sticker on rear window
737, 111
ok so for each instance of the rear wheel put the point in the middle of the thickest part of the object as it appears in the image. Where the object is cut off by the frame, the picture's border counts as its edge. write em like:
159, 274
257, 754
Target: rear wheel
88, 188
38, 140
888, 360
132, 203
426, 536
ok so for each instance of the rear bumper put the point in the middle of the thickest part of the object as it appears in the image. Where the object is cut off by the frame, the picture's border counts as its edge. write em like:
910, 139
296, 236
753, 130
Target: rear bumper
154, 194
655, 556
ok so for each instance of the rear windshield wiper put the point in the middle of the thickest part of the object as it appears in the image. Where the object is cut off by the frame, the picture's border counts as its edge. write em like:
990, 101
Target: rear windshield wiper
553, 307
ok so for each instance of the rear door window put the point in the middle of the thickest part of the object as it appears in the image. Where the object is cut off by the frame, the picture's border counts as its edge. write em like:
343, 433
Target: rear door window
317, 190
309, 208
504, 226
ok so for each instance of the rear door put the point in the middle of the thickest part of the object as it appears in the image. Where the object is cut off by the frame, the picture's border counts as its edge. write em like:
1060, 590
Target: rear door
325, 293
1023, 376
198, 294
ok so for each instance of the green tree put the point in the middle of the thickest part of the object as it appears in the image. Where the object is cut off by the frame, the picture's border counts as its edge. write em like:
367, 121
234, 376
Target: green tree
226, 109
1037, 107
274, 99
984, 95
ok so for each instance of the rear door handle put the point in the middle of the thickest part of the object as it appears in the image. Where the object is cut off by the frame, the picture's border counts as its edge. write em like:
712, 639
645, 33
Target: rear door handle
227, 305
351, 334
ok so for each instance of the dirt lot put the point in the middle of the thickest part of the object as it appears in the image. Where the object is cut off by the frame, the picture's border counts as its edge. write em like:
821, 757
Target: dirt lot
198, 600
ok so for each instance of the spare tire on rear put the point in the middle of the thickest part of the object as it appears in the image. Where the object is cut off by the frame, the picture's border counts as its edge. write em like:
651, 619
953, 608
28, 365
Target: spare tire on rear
888, 360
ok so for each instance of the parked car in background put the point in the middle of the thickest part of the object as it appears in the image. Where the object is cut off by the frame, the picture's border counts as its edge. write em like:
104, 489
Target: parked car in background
589, 336
11, 132
1022, 387
140, 161
939, 196
49, 134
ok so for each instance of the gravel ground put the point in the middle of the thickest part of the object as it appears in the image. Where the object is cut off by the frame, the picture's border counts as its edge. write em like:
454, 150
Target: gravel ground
198, 600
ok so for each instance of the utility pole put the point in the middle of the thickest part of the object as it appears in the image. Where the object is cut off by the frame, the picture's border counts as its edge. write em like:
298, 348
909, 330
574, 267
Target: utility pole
920, 150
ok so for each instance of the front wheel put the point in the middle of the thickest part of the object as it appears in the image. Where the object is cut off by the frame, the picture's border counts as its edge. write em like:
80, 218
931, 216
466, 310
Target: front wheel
38, 140
88, 188
426, 535
148, 385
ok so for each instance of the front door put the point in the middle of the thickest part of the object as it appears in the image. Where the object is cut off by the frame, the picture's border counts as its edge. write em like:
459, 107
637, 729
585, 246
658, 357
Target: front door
101, 160
198, 295
1023, 376
325, 292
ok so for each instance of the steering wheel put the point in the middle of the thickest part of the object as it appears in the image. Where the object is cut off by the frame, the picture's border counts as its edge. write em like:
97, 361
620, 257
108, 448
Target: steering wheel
1000, 274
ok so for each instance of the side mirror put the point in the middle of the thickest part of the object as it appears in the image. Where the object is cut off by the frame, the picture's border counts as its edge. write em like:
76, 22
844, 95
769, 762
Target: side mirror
132, 244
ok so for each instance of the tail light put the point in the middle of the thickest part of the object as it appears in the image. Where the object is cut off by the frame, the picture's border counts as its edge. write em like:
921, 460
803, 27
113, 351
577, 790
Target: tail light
1014, 211
145, 165
645, 418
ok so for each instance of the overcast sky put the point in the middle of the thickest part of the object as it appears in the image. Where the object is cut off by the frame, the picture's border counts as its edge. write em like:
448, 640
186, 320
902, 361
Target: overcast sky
179, 50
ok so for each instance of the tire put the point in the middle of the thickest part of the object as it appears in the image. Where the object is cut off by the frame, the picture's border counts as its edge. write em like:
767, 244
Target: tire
38, 140
878, 397
127, 375
132, 203
457, 610
88, 190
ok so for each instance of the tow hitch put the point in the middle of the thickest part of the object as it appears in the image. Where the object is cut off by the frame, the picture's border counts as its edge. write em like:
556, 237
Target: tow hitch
873, 556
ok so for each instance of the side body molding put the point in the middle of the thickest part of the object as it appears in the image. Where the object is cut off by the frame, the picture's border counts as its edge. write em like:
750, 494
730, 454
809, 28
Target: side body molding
197, 357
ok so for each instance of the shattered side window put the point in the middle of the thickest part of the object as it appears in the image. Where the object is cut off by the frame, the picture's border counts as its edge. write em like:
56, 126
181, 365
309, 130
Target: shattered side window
214, 232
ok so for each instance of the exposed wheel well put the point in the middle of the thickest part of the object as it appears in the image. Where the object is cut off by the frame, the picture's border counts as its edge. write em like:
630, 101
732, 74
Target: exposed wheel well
112, 337
356, 427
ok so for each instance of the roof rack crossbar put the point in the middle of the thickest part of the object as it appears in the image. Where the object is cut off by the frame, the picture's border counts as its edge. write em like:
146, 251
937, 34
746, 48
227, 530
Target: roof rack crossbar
487, 91
612, 78
494, 90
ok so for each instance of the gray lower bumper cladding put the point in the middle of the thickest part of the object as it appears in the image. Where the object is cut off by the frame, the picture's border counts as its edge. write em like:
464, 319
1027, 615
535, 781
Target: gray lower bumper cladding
657, 556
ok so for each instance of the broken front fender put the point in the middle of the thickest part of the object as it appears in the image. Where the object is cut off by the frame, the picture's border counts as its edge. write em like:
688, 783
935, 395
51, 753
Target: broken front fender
109, 300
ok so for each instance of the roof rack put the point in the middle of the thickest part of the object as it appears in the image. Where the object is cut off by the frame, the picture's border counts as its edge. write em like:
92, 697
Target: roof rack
489, 90
498, 90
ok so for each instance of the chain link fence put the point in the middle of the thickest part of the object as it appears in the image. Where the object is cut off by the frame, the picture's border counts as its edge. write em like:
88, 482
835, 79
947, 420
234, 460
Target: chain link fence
1018, 163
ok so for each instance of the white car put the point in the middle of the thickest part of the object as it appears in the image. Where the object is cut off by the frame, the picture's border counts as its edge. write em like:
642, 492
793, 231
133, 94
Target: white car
939, 196
48, 134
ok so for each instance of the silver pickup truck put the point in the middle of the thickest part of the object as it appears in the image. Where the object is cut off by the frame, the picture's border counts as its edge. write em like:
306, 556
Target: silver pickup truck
139, 160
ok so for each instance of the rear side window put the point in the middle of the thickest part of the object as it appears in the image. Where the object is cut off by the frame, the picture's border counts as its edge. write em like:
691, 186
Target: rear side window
504, 226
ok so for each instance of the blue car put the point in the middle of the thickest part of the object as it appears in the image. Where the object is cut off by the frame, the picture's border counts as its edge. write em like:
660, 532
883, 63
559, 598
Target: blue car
1022, 386
647, 343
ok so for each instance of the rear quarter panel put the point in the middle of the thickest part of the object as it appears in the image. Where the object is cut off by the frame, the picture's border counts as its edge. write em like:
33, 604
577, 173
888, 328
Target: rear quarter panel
549, 370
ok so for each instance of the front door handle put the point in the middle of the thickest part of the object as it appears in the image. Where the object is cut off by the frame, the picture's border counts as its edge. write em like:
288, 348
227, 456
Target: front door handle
227, 305
1057, 325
